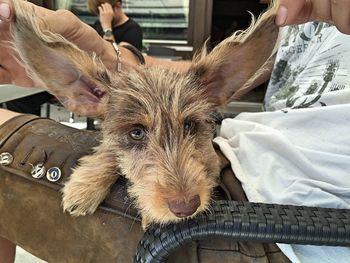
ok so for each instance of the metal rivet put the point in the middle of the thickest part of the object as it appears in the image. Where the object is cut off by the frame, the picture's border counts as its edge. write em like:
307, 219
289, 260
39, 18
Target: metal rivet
38, 171
53, 174
6, 158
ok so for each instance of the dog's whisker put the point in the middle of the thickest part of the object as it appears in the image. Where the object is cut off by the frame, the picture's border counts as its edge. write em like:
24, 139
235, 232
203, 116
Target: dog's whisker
209, 209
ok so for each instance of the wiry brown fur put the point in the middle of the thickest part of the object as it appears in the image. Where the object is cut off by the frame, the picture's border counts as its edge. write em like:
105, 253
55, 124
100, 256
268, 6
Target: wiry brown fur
239, 59
173, 163
175, 160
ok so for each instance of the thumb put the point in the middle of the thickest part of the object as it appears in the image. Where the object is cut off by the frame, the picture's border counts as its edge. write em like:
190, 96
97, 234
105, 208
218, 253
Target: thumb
6, 14
293, 12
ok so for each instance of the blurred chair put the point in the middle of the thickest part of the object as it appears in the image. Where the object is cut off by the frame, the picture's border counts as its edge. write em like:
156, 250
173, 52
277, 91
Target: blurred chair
161, 51
88, 124
164, 53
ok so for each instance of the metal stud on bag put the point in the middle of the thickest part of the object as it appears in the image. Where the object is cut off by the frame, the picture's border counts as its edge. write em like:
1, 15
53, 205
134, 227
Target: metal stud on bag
53, 174
6, 158
38, 171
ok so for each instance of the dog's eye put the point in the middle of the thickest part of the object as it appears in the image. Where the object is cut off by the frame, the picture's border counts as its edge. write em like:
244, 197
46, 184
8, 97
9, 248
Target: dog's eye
137, 134
189, 126
103, 76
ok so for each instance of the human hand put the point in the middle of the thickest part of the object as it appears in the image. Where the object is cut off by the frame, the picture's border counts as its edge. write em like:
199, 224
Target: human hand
301, 11
106, 15
84, 36
75, 31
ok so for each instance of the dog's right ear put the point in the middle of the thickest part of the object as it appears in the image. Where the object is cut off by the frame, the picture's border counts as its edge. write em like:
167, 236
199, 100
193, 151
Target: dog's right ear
79, 80
238, 61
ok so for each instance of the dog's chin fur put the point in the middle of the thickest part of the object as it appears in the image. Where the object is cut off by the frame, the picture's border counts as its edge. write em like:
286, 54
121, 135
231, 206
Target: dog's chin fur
157, 176
152, 199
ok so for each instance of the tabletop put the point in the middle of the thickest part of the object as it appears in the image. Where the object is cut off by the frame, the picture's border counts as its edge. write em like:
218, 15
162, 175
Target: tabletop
10, 92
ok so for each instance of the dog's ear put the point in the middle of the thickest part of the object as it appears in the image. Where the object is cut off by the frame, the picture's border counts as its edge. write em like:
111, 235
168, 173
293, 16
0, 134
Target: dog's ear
79, 80
239, 60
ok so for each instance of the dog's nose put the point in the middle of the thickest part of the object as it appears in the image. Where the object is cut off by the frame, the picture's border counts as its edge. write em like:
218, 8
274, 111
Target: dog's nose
183, 208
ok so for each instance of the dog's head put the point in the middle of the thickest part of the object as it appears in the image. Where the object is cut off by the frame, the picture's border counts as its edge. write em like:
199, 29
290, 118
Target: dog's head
156, 121
158, 125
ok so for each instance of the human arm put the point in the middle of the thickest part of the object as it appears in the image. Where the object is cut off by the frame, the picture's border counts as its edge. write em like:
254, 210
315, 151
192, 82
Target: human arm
106, 20
5, 115
302, 11
22, 27
180, 66
81, 34
75, 31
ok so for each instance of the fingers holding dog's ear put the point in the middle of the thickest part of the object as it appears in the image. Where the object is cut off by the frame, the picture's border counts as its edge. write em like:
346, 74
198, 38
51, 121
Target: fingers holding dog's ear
293, 12
81, 34
77, 78
6, 11
341, 15
6, 16
302, 11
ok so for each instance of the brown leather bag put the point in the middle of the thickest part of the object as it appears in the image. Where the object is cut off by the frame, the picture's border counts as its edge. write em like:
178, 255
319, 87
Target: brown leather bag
32, 217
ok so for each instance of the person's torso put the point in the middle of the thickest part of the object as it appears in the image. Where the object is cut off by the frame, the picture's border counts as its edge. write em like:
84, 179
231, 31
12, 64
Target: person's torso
121, 33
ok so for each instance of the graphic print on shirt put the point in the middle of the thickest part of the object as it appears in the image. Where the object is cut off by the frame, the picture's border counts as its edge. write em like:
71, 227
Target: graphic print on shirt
311, 68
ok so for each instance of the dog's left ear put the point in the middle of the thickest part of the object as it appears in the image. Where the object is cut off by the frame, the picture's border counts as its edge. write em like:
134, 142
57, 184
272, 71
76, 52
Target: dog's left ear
78, 79
238, 60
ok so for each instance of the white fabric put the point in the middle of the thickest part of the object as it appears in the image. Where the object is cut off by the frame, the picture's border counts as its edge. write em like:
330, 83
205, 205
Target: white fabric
298, 157
312, 68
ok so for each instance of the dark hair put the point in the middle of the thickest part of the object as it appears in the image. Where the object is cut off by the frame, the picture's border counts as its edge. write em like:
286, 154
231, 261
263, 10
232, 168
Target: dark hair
94, 4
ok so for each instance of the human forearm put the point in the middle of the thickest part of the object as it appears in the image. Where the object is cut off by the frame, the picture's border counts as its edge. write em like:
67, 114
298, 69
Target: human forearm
5, 115
180, 66
84, 36
75, 31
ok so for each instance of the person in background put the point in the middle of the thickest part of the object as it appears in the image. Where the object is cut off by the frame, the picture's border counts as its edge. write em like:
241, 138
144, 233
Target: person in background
113, 24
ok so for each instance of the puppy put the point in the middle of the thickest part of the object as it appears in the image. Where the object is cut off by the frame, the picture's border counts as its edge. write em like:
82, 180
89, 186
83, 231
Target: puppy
157, 128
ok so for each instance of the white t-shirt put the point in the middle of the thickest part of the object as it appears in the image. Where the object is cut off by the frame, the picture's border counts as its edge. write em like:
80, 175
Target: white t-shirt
298, 152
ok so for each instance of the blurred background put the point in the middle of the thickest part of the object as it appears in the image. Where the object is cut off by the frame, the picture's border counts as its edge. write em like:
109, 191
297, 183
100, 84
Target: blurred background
181, 24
